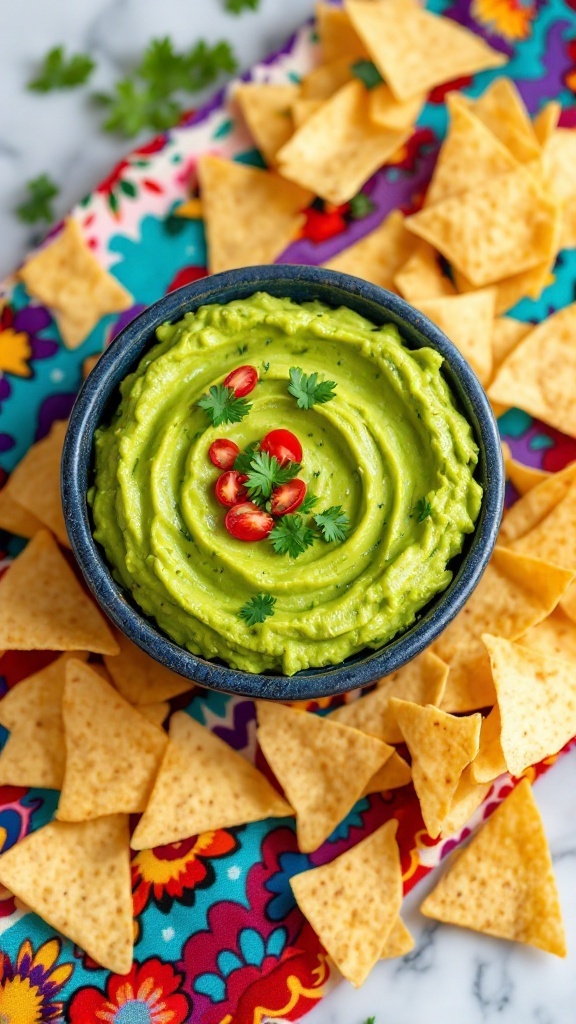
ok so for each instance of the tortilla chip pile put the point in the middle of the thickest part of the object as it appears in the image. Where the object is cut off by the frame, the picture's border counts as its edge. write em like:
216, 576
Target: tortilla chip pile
497, 691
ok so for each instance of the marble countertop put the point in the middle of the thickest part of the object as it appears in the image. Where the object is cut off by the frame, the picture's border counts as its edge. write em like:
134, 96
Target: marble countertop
452, 976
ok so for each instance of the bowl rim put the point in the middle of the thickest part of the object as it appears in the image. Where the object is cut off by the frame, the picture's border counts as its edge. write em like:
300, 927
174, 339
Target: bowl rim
126, 350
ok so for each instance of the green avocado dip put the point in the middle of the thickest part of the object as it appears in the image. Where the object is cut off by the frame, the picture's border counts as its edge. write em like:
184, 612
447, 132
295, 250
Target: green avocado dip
390, 450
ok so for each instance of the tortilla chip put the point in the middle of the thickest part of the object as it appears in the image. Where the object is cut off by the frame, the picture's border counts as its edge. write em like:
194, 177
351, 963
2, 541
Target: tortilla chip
389, 112
139, 678
546, 121
515, 593
251, 216
378, 255
44, 608
441, 746
203, 785
326, 79
321, 765
35, 483
77, 878
338, 148
421, 681
155, 713
540, 374
191, 209
395, 774
489, 762
555, 636
568, 224
34, 753
266, 110
399, 942
554, 537
467, 320
302, 109
511, 290
537, 702
415, 50
470, 155
65, 276
16, 519
465, 802
559, 160
112, 753
421, 277
490, 233
502, 110
507, 333
523, 478
503, 883
337, 35
535, 506
353, 902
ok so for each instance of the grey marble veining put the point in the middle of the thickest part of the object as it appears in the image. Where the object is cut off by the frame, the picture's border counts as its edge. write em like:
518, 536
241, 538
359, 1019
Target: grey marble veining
452, 976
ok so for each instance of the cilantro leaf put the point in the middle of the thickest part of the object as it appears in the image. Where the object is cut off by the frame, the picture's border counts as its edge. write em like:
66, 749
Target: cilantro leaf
367, 72
38, 206
135, 107
310, 501
371, 1020
237, 6
221, 405
360, 206
291, 536
243, 460
61, 72
306, 389
257, 609
333, 523
266, 473
424, 509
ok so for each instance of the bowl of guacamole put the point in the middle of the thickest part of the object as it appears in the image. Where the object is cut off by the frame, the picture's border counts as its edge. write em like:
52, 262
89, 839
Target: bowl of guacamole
282, 481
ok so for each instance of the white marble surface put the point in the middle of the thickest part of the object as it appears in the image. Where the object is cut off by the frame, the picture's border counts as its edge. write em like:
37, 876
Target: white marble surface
452, 977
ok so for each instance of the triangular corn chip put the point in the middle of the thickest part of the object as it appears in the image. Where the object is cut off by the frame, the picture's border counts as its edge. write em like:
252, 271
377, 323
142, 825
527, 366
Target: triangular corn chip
441, 746
399, 942
523, 478
503, 883
139, 678
353, 902
421, 681
527, 284
489, 762
321, 765
389, 112
539, 375
43, 607
324, 80
393, 775
15, 518
546, 121
415, 50
35, 483
537, 702
555, 636
421, 276
77, 878
34, 753
502, 110
525, 515
378, 255
203, 785
339, 147
514, 593
155, 713
507, 333
554, 537
302, 109
470, 154
66, 276
465, 802
337, 36
489, 233
251, 215
266, 110
467, 320
112, 753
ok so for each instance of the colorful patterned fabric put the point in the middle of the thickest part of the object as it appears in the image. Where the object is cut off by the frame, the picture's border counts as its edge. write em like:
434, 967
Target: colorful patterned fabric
218, 935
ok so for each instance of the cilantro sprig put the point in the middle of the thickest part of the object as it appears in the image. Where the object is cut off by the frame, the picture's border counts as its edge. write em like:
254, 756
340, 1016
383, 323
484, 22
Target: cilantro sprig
243, 460
221, 405
38, 206
291, 536
423, 509
257, 609
266, 473
237, 6
310, 502
333, 524
58, 71
307, 390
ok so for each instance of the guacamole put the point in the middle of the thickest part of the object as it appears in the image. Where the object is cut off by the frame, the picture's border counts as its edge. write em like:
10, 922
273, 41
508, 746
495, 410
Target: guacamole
390, 449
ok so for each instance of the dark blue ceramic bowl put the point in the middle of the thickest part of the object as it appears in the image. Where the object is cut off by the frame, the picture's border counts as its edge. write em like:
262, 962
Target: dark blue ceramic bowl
99, 395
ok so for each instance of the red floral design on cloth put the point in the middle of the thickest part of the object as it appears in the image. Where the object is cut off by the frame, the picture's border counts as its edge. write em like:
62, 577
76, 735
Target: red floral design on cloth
150, 994
174, 872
